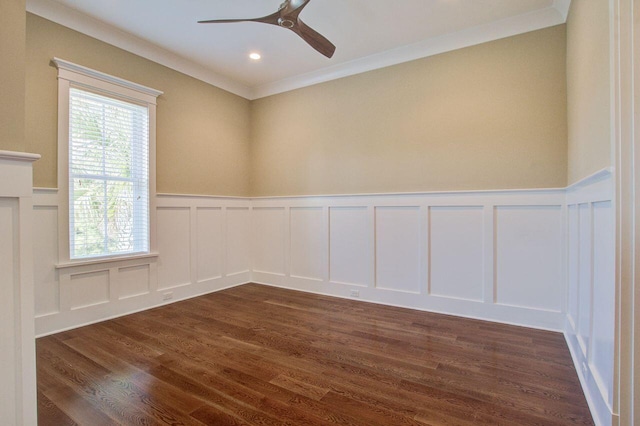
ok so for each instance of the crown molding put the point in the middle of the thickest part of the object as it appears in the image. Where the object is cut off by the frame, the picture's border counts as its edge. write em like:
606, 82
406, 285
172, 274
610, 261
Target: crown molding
562, 6
554, 15
496, 30
92, 27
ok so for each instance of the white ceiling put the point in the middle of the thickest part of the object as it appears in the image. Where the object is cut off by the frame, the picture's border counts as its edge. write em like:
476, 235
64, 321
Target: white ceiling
368, 34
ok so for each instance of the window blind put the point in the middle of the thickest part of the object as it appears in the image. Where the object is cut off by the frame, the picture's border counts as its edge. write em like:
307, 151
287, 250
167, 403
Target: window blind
108, 175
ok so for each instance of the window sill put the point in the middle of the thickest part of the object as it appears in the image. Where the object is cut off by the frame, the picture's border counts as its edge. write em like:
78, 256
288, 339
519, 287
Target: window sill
103, 260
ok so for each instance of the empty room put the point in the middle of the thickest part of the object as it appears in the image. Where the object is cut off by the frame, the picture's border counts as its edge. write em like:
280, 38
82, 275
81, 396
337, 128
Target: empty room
306, 212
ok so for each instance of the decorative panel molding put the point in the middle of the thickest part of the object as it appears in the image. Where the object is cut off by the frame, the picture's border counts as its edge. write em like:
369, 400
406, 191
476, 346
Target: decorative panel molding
603, 321
381, 248
573, 256
134, 281
268, 240
350, 246
47, 291
537, 258
432, 251
457, 252
198, 238
18, 404
238, 240
528, 252
210, 243
590, 325
174, 246
398, 246
309, 243
585, 289
88, 289
9, 291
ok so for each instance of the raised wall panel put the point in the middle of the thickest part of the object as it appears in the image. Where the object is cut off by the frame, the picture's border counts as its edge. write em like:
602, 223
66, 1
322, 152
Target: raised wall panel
45, 251
529, 256
88, 289
238, 240
573, 262
350, 246
268, 240
308, 242
590, 332
456, 252
134, 281
174, 246
602, 338
209, 240
398, 248
18, 405
584, 277
8, 284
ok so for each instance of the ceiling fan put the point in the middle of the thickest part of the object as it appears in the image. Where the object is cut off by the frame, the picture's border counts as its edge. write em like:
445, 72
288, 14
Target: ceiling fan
287, 17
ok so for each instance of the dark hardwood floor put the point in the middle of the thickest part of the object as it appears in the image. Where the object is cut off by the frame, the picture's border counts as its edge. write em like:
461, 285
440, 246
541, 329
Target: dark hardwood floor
265, 356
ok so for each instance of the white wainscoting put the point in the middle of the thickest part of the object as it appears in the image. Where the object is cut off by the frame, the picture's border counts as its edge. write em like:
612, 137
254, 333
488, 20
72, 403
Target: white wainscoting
537, 258
590, 326
202, 243
17, 344
495, 255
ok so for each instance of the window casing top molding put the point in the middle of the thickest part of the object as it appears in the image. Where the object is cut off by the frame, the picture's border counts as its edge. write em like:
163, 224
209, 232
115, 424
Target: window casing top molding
70, 76
87, 77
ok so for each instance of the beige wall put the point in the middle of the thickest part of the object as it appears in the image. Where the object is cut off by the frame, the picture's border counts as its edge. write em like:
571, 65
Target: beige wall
202, 131
12, 82
588, 88
490, 116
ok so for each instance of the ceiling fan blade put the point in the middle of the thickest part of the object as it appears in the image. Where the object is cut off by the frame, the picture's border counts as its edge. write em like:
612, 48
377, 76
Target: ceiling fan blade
287, 17
314, 39
269, 19
293, 8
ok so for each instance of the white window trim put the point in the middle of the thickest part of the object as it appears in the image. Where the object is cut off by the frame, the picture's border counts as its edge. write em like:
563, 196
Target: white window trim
73, 75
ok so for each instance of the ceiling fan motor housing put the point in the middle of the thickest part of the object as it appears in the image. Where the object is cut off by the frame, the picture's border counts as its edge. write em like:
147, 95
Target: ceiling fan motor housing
285, 23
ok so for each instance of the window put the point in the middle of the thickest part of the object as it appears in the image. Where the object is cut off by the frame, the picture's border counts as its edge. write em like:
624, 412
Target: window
108, 176
107, 154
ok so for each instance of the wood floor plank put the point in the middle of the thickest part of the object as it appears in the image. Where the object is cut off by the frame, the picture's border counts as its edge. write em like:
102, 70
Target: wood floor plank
50, 413
258, 355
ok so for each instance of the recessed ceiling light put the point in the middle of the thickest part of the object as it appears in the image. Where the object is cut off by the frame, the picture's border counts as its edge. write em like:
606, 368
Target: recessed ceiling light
255, 56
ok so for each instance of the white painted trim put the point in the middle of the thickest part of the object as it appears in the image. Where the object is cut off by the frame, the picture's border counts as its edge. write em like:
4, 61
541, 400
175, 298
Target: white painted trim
597, 176
133, 311
417, 194
588, 192
412, 307
44, 190
72, 75
591, 189
79, 69
625, 42
494, 31
18, 156
562, 6
361, 271
63, 15
219, 197
92, 27
105, 260
600, 175
17, 304
597, 406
